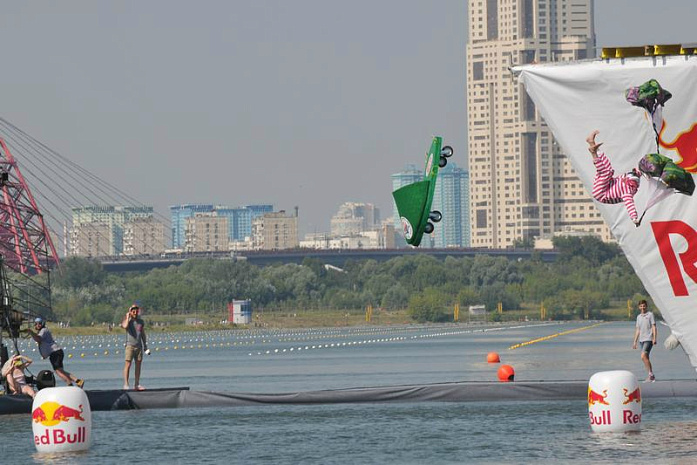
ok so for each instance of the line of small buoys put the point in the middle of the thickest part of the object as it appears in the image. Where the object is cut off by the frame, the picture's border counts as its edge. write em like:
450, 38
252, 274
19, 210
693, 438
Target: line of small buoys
552, 336
82, 347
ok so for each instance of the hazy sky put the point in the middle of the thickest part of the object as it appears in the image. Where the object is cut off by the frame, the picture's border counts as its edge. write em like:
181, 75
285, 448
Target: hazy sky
305, 102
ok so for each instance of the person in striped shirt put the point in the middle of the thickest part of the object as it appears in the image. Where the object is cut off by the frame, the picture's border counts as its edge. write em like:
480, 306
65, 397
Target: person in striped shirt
608, 188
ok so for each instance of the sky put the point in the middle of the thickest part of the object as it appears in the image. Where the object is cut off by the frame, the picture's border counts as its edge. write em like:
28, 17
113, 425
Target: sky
307, 103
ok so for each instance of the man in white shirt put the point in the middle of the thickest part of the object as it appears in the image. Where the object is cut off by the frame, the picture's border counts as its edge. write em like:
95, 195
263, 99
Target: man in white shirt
645, 335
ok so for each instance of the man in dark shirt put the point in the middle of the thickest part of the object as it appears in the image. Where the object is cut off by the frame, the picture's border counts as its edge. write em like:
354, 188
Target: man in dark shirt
136, 344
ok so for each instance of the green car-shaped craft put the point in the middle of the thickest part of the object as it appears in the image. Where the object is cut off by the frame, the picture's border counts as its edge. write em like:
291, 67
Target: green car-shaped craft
414, 200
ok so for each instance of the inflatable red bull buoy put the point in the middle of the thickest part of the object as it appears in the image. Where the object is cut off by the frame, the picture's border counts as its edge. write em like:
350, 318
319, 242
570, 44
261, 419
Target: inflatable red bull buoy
493, 357
61, 420
614, 402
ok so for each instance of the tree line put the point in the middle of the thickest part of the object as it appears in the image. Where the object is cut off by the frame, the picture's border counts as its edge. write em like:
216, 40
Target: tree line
586, 278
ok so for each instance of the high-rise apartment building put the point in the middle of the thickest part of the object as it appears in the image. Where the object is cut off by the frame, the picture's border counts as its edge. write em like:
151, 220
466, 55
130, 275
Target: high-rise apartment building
90, 221
206, 232
179, 215
450, 197
521, 185
355, 218
143, 236
275, 231
239, 219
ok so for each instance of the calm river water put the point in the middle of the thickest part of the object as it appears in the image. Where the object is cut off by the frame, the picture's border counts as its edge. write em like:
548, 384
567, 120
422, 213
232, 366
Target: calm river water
429, 432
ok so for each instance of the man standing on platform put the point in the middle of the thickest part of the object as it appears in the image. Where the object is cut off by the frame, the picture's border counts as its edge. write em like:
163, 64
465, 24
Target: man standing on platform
136, 344
49, 349
645, 335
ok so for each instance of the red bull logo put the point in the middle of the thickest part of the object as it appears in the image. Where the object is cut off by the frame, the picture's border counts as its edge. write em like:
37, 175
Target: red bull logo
677, 262
51, 414
595, 398
634, 396
685, 143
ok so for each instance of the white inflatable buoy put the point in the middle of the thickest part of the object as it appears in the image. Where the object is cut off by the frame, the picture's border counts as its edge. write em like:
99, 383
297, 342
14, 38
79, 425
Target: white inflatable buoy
614, 402
61, 420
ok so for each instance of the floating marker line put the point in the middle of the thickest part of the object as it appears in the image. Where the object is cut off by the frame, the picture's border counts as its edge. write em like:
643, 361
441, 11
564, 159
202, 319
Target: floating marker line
546, 338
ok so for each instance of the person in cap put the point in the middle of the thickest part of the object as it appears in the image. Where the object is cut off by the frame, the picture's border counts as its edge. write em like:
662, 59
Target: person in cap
608, 188
48, 348
13, 371
136, 344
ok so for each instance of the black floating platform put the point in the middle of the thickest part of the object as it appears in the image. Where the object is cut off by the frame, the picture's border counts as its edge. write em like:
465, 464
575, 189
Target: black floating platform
182, 397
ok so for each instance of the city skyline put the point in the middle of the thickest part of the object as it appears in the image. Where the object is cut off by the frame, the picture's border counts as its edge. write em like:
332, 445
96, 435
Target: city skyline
263, 100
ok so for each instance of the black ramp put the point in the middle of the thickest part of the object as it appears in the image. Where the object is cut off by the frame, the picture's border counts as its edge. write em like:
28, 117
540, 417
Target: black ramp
443, 392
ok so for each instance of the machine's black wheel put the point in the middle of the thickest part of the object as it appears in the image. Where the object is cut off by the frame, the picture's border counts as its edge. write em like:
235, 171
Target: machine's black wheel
428, 229
447, 151
435, 216
442, 161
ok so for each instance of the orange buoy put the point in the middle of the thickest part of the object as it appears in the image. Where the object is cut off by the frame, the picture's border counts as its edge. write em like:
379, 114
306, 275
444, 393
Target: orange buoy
493, 357
506, 373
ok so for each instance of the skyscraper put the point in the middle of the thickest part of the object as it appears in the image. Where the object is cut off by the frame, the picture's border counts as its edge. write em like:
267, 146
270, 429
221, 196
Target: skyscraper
179, 214
451, 198
521, 185
239, 219
410, 175
98, 230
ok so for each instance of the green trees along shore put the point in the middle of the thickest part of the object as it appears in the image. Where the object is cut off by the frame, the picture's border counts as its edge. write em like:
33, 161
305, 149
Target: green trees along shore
588, 278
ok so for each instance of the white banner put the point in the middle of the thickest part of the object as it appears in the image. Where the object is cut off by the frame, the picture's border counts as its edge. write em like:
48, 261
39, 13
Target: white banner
578, 98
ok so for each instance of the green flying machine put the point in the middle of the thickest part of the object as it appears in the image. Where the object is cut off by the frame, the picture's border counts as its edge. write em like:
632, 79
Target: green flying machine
414, 200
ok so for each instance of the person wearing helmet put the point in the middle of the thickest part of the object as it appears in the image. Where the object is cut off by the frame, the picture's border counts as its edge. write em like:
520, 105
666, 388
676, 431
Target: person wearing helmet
49, 349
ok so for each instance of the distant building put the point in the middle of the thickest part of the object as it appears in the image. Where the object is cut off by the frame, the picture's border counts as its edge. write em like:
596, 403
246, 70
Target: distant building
450, 197
91, 240
355, 218
179, 215
380, 238
410, 175
206, 232
107, 221
143, 236
522, 185
239, 219
275, 231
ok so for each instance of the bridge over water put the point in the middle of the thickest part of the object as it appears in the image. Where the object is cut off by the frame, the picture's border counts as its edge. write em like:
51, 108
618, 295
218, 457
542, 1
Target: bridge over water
331, 257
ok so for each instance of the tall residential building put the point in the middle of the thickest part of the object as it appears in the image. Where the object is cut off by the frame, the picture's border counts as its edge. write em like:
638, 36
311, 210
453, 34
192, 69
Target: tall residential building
239, 219
451, 198
206, 232
114, 217
355, 218
275, 231
521, 185
143, 236
179, 215
91, 240
410, 175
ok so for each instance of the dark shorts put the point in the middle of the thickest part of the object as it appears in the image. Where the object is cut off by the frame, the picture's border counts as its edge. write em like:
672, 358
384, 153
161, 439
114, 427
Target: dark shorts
56, 359
646, 346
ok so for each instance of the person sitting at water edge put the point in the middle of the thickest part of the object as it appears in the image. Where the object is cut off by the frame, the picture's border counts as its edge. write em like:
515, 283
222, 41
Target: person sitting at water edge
13, 371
